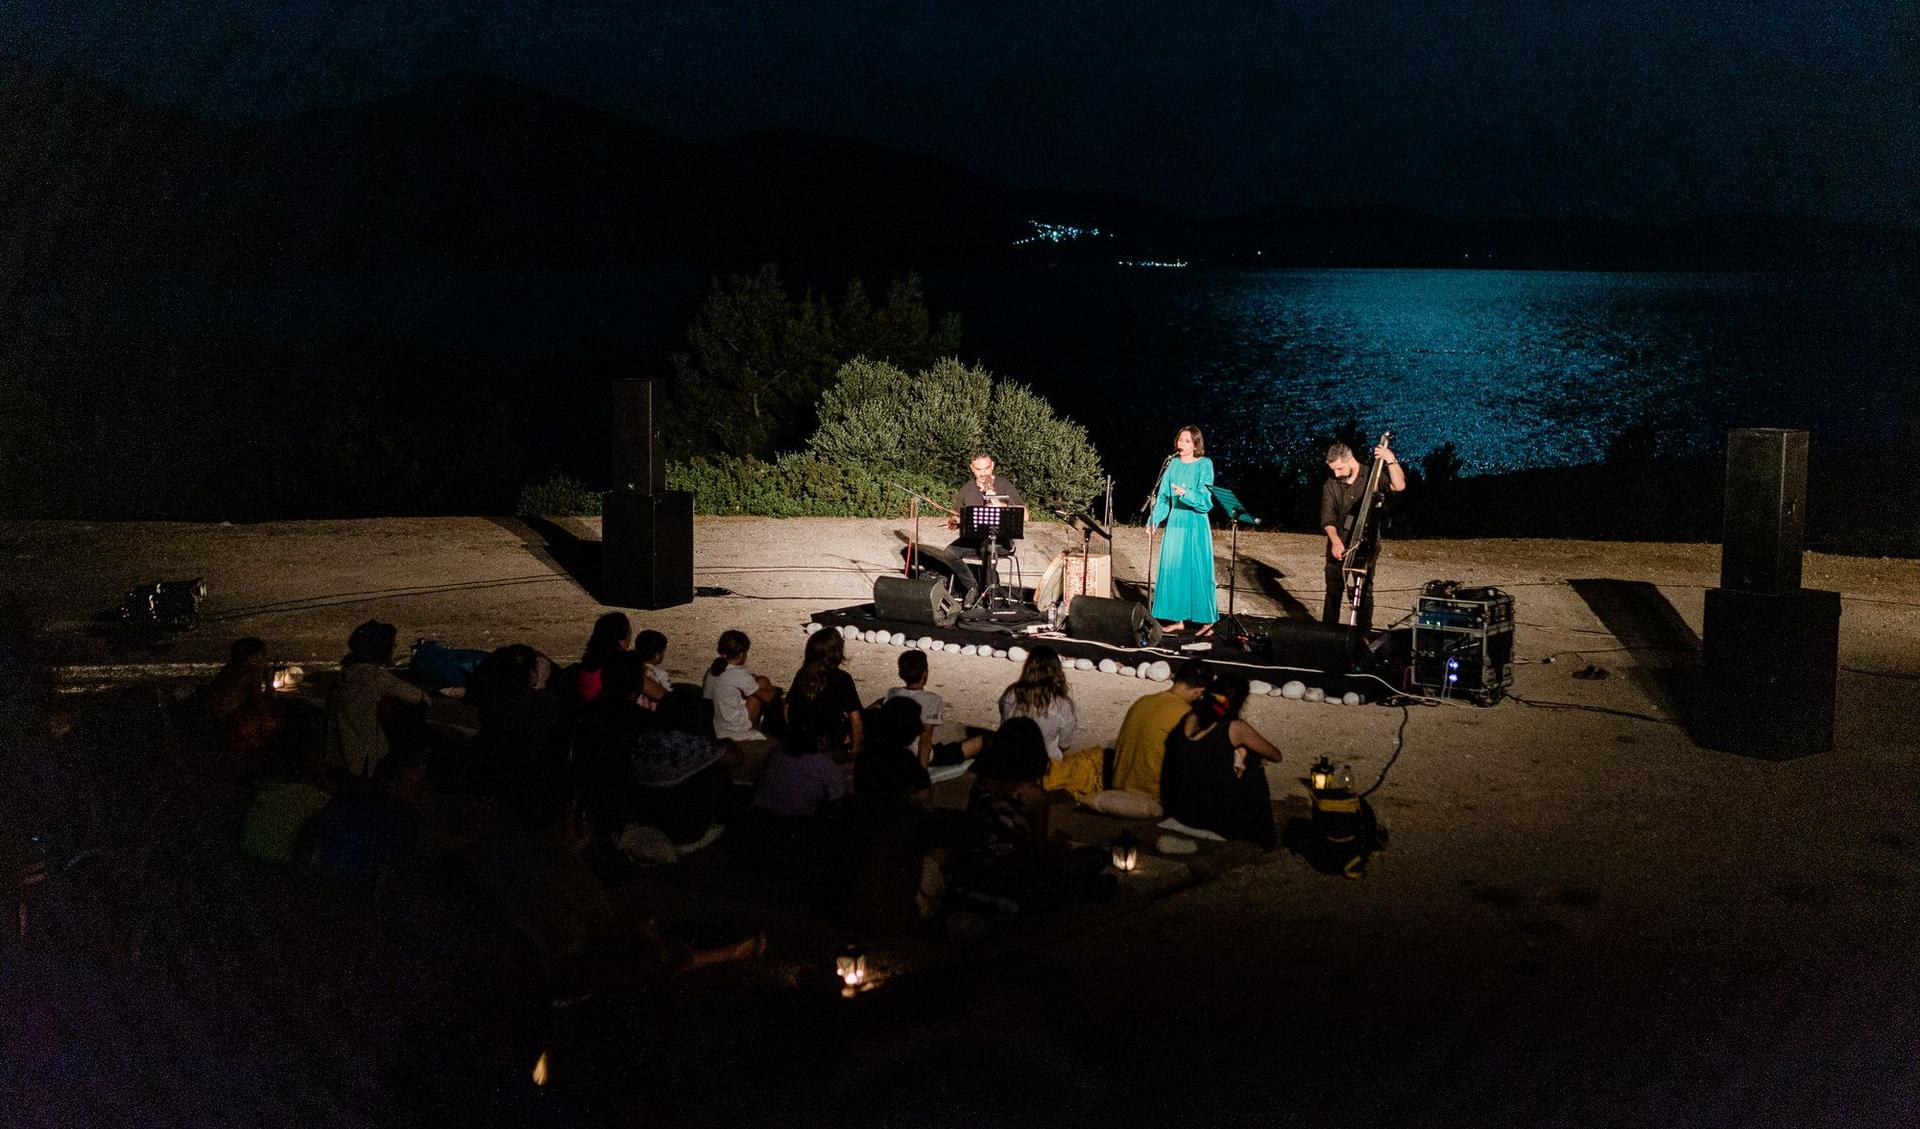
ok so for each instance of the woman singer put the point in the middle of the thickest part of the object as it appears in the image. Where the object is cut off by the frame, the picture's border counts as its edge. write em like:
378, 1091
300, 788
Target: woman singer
1183, 592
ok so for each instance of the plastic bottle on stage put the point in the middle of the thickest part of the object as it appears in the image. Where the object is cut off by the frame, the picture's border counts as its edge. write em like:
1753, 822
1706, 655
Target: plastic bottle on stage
1346, 777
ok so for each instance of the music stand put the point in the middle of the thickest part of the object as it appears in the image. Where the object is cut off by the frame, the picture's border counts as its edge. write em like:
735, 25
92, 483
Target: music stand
1229, 503
995, 526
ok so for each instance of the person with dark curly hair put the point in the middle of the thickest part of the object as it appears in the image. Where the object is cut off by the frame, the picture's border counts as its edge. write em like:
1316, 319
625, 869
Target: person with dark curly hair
1213, 777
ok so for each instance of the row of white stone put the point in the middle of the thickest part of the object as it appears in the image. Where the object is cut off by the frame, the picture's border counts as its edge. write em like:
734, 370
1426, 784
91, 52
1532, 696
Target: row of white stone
1158, 670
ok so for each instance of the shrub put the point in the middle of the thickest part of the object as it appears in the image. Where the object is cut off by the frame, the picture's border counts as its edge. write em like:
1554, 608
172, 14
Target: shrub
558, 496
797, 485
930, 423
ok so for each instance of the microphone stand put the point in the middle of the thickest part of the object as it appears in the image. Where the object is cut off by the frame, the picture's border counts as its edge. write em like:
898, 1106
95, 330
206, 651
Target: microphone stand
1146, 509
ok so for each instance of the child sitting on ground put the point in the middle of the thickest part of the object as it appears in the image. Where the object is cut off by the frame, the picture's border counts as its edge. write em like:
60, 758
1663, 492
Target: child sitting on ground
933, 709
740, 697
889, 771
651, 646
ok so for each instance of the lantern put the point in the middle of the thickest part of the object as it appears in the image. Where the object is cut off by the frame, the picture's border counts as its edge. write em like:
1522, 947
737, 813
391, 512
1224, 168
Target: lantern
1320, 776
851, 965
1126, 852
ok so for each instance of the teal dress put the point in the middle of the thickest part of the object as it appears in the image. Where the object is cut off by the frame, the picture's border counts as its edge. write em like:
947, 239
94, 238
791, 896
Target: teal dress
1183, 586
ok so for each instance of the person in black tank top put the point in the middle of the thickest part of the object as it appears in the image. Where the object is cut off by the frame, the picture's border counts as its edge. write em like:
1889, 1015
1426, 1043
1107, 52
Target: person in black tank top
1214, 778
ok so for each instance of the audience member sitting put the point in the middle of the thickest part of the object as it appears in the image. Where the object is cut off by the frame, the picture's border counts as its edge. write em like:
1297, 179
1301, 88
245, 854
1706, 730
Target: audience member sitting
794, 830
651, 646
888, 771
636, 768
739, 697
280, 816
612, 634
1010, 852
238, 704
1142, 744
356, 735
912, 666
524, 726
1040, 695
822, 688
537, 876
805, 777
1213, 778
363, 836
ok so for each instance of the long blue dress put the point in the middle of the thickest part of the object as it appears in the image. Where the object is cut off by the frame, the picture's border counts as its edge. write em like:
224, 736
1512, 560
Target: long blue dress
1183, 586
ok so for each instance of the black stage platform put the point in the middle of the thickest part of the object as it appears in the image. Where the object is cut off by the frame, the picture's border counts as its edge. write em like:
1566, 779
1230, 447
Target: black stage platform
1278, 650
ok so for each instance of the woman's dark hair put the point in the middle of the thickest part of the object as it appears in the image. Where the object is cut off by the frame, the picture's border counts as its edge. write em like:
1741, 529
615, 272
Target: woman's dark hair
244, 649
826, 650
649, 643
371, 642
620, 678
731, 646
1199, 439
610, 633
1016, 755
1042, 680
1223, 699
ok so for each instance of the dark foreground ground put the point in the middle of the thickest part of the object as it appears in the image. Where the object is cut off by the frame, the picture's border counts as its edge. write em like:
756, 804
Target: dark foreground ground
1582, 918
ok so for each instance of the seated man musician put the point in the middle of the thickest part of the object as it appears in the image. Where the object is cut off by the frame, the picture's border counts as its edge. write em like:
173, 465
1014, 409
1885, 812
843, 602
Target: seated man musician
984, 488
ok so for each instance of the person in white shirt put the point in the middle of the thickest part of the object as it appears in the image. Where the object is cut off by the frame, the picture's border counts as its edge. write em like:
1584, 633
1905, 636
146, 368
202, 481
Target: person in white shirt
739, 696
933, 710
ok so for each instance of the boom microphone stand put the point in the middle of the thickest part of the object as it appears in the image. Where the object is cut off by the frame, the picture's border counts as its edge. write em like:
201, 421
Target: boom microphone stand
1146, 511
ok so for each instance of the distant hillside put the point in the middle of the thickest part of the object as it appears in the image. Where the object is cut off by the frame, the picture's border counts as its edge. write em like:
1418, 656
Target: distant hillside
476, 171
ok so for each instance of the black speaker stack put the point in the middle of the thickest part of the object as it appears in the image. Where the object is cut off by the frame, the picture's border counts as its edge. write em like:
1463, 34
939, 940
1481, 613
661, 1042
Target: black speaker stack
646, 530
1770, 652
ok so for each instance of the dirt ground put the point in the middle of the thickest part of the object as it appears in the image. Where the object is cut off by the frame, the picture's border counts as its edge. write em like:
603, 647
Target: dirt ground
1583, 917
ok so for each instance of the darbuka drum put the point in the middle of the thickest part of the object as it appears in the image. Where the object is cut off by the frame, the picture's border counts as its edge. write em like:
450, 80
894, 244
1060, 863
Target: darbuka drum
1052, 584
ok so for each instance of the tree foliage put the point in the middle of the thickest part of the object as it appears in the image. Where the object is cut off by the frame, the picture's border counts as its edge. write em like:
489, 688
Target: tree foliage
794, 485
758, 357
929, 424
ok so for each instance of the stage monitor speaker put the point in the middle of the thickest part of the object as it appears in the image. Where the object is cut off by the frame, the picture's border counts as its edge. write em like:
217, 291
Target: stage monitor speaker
921, 599
1311, 645
646, 549
1119, 623
639, 457
1769, 668
1765, 521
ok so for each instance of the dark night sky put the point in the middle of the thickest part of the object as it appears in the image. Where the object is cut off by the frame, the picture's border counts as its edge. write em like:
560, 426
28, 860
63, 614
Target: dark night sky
1648, 109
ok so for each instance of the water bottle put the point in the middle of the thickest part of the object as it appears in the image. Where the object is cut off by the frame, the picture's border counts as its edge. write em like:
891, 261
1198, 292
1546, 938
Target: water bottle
1346, 777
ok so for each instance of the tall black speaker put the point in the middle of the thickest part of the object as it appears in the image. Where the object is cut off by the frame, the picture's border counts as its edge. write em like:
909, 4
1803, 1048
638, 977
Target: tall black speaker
1769, 664
1119, 623
920, 599
639, 458
646, 549
1766, 517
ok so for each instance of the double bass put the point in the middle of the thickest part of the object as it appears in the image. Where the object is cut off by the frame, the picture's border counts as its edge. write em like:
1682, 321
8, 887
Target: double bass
1363, 543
